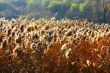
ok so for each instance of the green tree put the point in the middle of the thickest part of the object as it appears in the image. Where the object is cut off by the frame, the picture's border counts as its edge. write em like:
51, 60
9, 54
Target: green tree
74, 6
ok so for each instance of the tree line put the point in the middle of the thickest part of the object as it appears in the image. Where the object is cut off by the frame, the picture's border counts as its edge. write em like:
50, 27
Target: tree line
93, 10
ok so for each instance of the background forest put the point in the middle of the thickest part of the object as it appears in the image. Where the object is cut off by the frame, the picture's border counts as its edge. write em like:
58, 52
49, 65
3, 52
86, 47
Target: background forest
93, 10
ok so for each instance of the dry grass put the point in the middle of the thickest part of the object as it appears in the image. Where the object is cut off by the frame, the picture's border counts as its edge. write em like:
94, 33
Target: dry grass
54, 46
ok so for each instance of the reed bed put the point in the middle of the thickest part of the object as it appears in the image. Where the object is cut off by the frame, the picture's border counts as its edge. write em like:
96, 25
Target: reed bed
54, 46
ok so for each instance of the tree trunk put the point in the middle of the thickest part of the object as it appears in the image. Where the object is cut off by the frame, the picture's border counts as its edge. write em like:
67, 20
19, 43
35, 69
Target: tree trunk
104, 16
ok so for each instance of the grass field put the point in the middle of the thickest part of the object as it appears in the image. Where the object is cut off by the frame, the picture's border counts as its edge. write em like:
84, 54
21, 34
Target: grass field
54, 46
